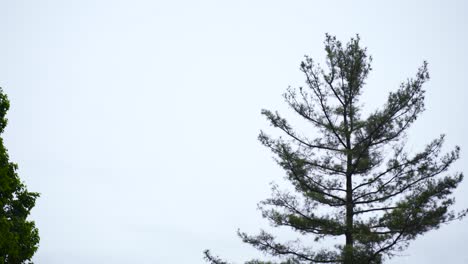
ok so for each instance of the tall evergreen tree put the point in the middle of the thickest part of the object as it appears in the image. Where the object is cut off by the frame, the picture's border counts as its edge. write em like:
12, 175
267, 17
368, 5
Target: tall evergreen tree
19, 238
355, 179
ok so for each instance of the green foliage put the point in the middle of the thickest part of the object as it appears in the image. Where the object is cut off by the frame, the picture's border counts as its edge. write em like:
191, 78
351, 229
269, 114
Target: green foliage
355, 180
19, 238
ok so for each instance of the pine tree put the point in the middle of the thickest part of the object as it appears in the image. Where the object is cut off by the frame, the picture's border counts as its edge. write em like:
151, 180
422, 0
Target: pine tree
19, 237
355, 181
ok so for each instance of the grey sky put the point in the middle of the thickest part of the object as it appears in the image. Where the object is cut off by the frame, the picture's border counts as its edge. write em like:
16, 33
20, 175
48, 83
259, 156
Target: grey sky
137, 120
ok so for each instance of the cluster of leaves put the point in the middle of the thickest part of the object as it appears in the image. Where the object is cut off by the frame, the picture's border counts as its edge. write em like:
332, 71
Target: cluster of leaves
19, 238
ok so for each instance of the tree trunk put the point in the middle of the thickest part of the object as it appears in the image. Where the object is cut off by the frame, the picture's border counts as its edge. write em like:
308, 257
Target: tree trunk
349, 256
349, 250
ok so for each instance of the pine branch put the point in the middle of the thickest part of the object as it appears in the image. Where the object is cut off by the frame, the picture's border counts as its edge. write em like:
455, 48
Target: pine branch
212, 259
282, 124
265, 242
296, 218
404, 188
316, 89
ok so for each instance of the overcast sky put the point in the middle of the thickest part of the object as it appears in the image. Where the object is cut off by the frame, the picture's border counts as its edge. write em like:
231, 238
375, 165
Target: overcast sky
137, 120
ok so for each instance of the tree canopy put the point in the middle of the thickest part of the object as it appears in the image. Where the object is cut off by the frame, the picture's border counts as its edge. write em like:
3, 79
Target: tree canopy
354, 181
19, 238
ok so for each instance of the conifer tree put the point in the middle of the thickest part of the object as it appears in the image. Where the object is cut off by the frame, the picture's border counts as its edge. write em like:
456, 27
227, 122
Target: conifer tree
355, 181
19, 238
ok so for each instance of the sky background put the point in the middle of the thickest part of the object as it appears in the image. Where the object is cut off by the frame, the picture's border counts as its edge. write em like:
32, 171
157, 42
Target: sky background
137, 120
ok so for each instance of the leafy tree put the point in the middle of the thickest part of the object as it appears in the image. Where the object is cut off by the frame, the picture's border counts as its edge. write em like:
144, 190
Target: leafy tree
19, 238
355, 180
